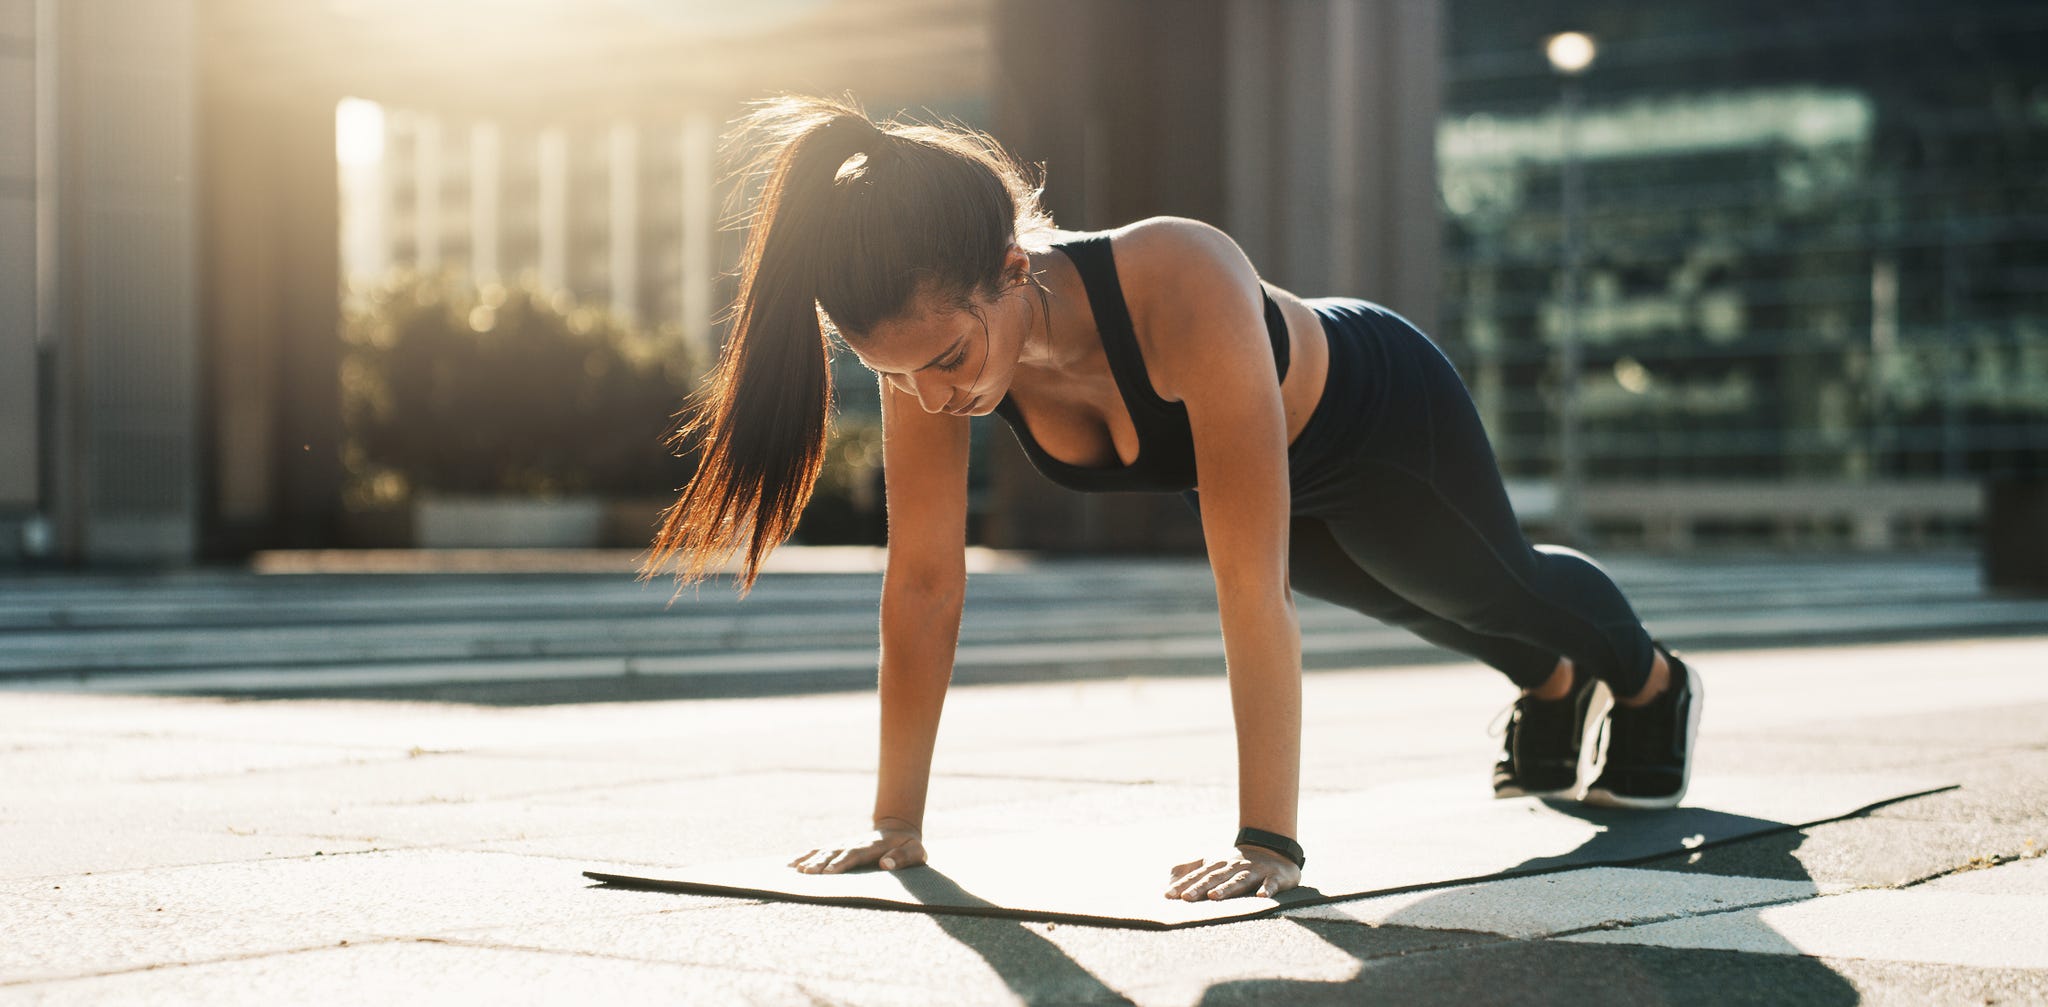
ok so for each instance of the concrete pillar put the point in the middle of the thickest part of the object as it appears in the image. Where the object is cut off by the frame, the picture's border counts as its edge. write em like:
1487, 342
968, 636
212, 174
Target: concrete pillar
21, 455
624, 231
426, 191
271, 289
117, 264
484, 202
699, 232
1330, 146
553, 170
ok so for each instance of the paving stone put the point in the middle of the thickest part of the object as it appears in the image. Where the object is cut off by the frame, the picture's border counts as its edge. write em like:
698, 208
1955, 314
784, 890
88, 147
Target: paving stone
2009, 789
2027, 877
1854, 852
41, 851
148, 758
50, 937
1987, 724
1760, 753
1571, 975
1916, 925
503, 807
1057, 963
414, 972
1191, 966
312, 901
1552, 903
1815, 693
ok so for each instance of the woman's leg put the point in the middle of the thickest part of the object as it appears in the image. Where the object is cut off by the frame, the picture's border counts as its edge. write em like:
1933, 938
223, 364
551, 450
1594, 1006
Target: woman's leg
1429, 519
1320, 568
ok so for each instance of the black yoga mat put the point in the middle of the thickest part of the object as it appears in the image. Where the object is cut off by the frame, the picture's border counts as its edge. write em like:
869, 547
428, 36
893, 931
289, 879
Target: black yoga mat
1422, 834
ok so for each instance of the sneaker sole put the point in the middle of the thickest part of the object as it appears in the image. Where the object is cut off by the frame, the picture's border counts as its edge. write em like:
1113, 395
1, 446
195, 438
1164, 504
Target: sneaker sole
1608, 798
1505, 793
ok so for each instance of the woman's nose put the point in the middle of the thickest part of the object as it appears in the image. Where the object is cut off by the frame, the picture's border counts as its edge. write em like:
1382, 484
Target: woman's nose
933, 394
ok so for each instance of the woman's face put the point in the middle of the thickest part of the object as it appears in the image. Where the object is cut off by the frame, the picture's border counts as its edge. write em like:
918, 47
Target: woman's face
950, 360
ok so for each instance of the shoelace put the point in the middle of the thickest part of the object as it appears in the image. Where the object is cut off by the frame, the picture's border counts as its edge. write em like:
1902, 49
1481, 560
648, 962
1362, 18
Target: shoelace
1501, 719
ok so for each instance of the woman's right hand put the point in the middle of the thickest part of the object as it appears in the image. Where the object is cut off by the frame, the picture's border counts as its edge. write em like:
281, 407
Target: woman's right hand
894, 847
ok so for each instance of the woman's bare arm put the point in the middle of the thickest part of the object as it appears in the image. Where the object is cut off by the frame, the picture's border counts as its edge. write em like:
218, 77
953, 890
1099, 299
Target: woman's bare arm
924, 459
924, 468
1205, 293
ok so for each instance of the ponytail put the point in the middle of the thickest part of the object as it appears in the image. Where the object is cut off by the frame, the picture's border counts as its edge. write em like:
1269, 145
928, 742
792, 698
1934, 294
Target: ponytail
824, 233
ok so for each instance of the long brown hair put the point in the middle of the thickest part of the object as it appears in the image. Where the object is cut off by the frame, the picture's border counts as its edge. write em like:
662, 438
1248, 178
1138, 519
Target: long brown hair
854, 219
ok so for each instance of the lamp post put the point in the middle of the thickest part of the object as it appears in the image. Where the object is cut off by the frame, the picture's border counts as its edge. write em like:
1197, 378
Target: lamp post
1570, 54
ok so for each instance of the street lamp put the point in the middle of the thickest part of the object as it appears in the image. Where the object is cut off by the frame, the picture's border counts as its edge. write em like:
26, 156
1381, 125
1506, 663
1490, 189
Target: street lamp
1570, 54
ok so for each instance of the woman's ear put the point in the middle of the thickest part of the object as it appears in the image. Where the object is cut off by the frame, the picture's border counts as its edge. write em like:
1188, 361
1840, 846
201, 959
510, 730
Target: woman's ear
1016, 266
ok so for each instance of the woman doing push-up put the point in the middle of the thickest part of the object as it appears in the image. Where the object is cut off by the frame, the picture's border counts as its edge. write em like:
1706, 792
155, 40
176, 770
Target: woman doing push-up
1328, 446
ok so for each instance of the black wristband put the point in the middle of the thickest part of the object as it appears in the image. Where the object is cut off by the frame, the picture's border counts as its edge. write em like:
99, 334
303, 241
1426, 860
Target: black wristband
1274, 841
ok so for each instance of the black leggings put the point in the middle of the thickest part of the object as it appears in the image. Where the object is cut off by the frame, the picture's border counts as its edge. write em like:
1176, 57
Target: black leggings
1399, 513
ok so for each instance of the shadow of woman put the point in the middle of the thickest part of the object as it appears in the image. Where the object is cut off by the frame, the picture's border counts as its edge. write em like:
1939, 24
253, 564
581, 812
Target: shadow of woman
1034, 968
1476, 966
1413, 955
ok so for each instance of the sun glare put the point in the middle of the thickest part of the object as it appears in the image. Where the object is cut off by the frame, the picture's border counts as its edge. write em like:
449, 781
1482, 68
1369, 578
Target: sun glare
358, 131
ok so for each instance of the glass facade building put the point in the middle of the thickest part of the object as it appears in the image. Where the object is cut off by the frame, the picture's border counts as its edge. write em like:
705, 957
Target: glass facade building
1813, 239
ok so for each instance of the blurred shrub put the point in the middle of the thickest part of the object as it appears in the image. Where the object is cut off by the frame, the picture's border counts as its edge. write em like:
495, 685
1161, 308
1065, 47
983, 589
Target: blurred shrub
846, 504
511, 392
504, 391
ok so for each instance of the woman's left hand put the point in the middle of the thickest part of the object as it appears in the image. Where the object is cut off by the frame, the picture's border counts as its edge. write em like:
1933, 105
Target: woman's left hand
1249, 870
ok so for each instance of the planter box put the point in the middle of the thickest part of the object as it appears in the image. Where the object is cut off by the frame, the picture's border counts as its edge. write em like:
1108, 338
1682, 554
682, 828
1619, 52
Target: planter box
507, 523
629, 522
2015, 542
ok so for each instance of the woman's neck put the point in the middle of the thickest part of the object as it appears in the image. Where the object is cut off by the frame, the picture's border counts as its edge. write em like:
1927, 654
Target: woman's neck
1055, 343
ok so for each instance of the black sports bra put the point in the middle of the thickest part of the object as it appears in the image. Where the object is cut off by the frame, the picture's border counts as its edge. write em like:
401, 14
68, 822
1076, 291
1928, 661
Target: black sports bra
1166, 444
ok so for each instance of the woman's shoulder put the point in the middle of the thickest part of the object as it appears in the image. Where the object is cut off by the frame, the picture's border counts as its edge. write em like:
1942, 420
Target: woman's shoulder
1178, 276
1172, 236
1176, 256
1151, 237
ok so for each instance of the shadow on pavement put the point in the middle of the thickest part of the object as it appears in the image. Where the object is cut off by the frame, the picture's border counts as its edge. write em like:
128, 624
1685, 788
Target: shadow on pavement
1034, 968
1474, 967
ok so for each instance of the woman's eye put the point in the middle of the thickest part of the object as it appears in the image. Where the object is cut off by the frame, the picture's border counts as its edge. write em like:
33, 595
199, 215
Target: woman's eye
954, 364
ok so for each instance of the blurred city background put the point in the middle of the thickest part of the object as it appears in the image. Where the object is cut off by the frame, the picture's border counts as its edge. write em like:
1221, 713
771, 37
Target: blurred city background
348, 274
339, 340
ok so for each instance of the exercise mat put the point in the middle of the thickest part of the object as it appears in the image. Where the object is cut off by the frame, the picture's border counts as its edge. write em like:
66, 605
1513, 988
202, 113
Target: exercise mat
1421, 834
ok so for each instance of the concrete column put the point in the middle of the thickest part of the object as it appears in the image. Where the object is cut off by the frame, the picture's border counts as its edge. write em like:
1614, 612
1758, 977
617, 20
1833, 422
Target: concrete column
426, 191
554, 209
1352, 90
1250, 90
1407, 223
272, 289
20, 401
699, 232
120, 280
484, 201
624, 231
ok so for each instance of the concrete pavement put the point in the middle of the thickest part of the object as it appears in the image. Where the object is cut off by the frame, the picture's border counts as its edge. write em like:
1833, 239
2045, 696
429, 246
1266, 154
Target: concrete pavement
244, 851
237, 849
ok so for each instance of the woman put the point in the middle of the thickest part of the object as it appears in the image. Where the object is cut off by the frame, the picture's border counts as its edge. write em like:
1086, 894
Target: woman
1327, 445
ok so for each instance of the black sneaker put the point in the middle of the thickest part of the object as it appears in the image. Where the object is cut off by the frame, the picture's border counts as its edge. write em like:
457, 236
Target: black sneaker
1649, 748
1540, 757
